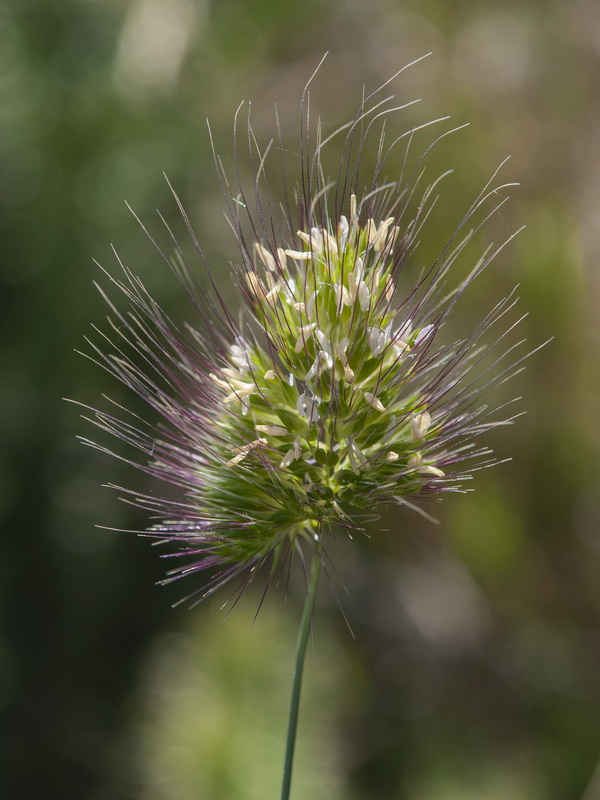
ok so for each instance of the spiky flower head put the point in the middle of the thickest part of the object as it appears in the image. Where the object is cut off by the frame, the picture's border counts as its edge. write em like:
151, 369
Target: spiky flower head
337, 391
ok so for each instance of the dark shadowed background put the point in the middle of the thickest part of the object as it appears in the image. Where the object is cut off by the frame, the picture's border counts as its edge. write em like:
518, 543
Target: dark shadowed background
473, 671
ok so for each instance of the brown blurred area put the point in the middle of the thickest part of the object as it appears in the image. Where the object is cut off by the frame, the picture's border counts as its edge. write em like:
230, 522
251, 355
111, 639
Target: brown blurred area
473, 670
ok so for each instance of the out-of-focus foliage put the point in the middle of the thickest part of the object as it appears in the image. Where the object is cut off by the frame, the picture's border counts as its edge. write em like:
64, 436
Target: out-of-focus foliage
475, 667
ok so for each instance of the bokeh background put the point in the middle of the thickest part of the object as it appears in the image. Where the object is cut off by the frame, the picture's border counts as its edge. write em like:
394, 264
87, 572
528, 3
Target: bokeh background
472, 668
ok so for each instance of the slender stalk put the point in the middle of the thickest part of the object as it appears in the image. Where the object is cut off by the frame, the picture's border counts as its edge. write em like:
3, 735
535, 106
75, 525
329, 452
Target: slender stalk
301, 643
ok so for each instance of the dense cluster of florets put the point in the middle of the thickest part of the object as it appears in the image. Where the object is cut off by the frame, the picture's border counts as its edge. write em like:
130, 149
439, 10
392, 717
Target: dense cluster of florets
328, 419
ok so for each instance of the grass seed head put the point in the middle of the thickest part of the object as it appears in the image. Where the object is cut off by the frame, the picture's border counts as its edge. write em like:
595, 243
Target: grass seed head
338, 391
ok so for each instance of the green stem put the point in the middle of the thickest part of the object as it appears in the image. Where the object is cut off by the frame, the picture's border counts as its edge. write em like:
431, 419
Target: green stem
305, 623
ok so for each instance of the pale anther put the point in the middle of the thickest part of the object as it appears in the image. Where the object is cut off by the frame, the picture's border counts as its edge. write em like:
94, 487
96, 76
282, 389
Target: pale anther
294, 454
243, 451
427, 469
382, 234
265, 256
255, 284
374, 401
298, 255
304, 335
364, 296
420, 424
272, 430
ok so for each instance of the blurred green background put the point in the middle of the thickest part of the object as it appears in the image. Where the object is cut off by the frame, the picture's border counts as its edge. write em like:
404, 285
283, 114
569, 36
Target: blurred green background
474, 668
